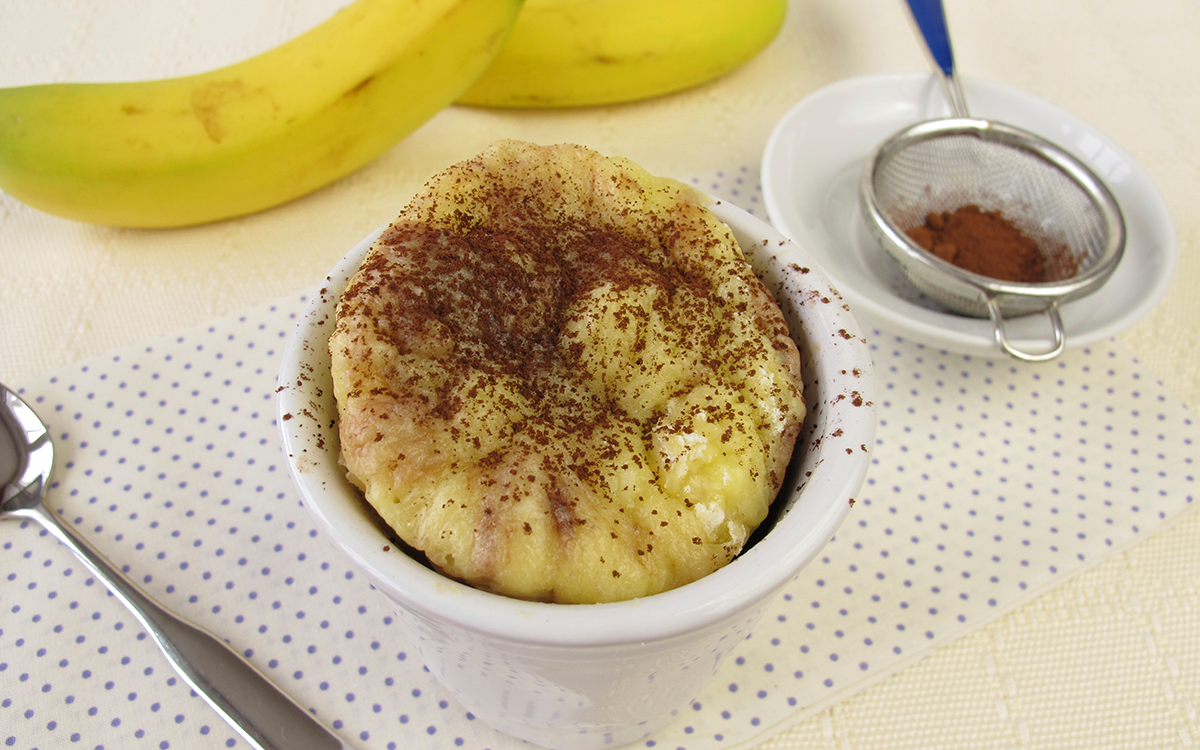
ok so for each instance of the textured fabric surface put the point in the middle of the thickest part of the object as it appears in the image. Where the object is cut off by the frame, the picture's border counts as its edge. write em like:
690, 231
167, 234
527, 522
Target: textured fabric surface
167, 459
1107, 658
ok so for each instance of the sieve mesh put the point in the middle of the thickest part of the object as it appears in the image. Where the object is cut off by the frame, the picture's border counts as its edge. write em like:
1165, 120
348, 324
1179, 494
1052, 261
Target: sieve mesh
939, 166
945, 172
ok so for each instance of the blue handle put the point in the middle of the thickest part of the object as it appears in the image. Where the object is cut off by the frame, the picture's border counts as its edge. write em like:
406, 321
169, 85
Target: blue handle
931, 20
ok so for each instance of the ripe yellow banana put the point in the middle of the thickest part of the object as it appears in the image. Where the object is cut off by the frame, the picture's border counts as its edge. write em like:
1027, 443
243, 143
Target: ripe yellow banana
564, 53
252, 135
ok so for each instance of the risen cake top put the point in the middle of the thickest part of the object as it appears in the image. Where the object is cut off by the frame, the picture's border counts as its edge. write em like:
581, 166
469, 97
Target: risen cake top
559, 378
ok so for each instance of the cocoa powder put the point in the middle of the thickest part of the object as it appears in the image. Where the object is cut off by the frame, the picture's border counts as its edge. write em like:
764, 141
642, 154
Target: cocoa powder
982, 242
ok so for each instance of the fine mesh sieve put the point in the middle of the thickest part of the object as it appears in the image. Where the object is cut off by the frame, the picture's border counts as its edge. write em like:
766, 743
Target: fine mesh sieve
941, 165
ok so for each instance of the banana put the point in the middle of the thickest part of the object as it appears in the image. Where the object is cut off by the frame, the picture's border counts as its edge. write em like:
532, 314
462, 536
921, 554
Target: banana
252, 135
565, 53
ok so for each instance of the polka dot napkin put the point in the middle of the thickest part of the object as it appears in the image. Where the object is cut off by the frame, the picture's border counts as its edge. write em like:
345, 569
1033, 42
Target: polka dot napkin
991, 482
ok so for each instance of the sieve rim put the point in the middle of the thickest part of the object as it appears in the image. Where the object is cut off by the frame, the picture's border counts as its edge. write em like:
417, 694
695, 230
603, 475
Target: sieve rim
906, 252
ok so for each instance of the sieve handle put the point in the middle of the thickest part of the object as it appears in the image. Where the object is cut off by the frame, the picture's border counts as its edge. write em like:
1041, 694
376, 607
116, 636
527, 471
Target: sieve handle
930, 20
1060, 337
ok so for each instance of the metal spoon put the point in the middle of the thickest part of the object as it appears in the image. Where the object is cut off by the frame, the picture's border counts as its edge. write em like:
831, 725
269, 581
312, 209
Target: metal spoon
262, 714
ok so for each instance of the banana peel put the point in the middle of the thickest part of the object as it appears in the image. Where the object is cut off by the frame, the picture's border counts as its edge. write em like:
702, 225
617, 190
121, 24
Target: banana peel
571, 53
282, 124
252, 135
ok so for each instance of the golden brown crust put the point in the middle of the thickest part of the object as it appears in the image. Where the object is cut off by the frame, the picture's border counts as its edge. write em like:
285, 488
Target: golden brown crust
558, 377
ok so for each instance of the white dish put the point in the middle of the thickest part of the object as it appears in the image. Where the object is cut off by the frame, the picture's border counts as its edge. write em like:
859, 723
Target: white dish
810, 175
583, 677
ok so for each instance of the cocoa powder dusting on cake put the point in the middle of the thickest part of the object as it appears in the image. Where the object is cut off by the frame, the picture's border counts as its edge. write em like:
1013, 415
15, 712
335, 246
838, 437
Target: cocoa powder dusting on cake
497, 296
548, 357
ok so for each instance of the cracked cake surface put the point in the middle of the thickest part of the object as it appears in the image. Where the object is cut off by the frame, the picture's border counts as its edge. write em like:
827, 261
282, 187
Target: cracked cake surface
558, 377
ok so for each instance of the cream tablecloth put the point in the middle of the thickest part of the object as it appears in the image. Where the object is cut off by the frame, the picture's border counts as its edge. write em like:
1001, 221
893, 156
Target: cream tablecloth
1102, 650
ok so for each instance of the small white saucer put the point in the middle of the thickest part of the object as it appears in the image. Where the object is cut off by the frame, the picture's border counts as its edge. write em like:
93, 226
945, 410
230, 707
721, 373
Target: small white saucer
810, 175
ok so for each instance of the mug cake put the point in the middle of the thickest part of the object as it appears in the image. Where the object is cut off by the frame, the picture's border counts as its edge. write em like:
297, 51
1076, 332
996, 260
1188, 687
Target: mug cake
558, 379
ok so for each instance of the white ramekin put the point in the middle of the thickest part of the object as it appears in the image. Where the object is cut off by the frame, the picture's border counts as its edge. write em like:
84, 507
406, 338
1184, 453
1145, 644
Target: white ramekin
577, 677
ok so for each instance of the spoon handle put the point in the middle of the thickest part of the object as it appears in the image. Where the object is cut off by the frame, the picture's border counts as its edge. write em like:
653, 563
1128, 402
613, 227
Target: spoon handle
262, 714
930, 20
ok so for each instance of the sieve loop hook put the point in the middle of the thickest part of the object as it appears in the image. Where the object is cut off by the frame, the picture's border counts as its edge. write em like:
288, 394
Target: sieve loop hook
1060, 337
